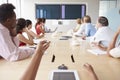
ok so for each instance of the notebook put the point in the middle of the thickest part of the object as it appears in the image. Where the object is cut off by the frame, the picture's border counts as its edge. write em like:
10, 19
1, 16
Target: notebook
96, 51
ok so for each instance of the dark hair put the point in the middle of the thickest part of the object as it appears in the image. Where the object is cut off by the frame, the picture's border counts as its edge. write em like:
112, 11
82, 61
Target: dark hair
43, 20
39, 20
21, 23
6, 11
28, 22
103, 21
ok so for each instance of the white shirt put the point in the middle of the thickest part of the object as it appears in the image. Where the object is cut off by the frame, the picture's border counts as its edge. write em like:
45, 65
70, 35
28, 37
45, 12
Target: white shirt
77, 27
104, 34
9, 49
81, 30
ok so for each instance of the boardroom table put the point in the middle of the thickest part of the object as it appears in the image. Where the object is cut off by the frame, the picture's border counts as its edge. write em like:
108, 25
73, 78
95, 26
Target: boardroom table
62, 51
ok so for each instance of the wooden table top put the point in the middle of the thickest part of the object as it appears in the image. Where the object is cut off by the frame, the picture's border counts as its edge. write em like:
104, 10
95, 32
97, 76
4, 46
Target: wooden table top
106, 68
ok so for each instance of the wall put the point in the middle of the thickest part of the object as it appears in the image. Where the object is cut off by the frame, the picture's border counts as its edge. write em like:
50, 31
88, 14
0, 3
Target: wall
2, 1
16, 3
28, 11
110, 9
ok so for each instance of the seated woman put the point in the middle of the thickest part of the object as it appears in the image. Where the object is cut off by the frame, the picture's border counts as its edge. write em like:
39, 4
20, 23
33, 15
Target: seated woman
39, 26
78, 25
46, 29
29, 26
21, 27
81, 30
75, 29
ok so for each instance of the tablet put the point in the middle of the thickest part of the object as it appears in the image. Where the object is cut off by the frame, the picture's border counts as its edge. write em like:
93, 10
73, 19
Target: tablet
64, 75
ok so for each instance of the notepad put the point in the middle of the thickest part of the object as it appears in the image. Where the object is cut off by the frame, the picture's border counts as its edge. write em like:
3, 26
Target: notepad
96, 51
64, 75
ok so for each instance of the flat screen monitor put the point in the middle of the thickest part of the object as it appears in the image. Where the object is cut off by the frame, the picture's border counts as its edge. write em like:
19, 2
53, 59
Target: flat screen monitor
60, 11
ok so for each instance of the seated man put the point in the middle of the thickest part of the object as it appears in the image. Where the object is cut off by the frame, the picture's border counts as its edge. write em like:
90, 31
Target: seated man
114, 50
104, 34
9, 47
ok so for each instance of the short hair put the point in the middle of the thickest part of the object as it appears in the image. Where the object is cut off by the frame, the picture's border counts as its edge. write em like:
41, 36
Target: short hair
87, 19
6, 11
103, 21
28, 22
21, 23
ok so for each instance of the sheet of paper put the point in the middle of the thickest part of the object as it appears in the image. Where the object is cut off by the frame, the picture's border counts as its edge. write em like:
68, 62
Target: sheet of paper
96, 51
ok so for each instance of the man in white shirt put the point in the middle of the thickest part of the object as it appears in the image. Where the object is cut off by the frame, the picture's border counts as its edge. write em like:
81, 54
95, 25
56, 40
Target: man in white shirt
9, 49
114, 50
104, 34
